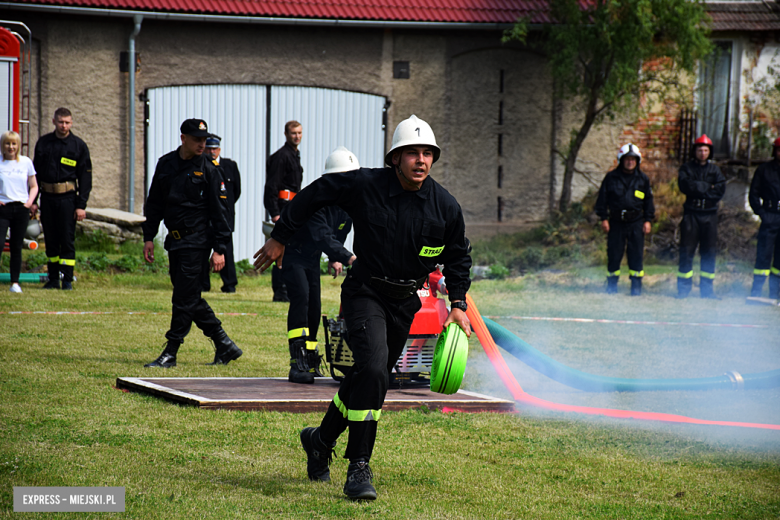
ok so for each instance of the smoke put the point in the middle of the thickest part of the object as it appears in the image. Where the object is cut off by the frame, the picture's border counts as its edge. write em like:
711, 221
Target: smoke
690, 338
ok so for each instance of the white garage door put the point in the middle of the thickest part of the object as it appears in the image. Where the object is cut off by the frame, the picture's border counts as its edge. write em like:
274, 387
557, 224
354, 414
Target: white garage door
240, 114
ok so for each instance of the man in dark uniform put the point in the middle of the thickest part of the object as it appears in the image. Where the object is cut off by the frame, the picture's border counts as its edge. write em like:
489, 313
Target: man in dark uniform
186, 193
65, 179
232, 179
405, 224
764, 199
325, 232
703, 185
625, 207
284, 175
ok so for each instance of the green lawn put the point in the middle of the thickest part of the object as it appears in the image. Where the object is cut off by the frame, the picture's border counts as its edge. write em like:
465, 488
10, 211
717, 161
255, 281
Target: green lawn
63, 424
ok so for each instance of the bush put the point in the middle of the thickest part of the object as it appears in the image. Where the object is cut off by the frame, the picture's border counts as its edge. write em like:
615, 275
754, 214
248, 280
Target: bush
497, 272
128, 263
35, 260
531, 257
95, 261
95, 241
242, 266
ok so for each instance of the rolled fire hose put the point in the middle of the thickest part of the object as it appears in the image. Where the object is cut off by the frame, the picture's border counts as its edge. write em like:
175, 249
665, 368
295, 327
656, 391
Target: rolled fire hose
521, 397
593, 383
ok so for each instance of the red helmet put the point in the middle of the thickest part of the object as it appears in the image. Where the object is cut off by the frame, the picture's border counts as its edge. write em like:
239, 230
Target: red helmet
703, 140
777, 142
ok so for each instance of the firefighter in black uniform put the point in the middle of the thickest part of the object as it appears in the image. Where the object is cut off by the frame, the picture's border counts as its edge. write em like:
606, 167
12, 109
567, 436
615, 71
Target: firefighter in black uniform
232, 179
703, 185
625, 207
284, 176
325, 232
65, 179
186, 193
405, 224
764, 199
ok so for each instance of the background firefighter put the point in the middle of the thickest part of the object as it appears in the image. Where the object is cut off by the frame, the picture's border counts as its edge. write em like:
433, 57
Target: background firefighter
764, 199
405, 224
325, 232
703, 185
625, 207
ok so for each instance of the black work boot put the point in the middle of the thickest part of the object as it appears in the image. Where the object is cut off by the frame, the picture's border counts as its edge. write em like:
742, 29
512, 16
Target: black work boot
54, 276
168, 357
758, 286
706, 290
358, 485
318, 455
300, 372
636, 286
683, 287
774, 286
612, 282
226, 349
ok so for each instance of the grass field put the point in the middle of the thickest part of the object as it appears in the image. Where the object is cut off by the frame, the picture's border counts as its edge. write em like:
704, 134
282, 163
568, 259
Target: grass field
63, 424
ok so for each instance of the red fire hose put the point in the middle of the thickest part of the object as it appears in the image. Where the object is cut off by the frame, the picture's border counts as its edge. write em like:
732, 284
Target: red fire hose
521, 396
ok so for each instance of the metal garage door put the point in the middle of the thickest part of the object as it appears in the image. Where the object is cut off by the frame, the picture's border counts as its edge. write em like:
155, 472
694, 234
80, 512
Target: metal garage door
239, 114
7, 94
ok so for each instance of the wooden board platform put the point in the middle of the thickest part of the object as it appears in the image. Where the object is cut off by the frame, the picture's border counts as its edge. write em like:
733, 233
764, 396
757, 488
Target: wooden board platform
277, 394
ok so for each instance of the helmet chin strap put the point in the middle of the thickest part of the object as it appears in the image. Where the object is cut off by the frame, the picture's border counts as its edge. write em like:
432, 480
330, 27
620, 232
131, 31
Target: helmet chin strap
403, 178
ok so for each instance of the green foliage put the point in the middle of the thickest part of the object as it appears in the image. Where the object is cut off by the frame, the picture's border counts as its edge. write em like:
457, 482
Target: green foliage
98, 261
36, 259
128, 263
97, 240
243, 266
497, 272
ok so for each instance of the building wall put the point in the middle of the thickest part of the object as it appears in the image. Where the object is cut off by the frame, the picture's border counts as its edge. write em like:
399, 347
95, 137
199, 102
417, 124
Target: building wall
453, 84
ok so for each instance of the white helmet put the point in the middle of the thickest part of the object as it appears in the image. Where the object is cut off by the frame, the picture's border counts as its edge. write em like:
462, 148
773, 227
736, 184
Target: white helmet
413, 132
630, 150
341, 160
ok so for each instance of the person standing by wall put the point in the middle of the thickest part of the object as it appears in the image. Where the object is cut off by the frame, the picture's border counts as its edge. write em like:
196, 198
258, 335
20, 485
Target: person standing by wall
703, 185
64, 171
232, 179
284, 176
405, 224
325, 232
186, 194
625, 207
764, 199
18, 190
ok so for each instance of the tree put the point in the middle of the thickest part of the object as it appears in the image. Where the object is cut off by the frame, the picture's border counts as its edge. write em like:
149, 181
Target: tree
599, 51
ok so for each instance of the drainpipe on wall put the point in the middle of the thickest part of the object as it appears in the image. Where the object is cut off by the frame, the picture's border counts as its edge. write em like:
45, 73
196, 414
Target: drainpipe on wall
131, 92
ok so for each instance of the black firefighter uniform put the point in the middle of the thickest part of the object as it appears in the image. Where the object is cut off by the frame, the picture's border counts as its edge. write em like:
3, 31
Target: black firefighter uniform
626, 201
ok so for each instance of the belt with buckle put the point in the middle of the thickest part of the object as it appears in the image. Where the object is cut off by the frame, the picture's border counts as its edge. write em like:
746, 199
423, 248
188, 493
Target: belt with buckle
58, 187
630, 216
287, 194
178, 234
396, 289
703, 203
773, 206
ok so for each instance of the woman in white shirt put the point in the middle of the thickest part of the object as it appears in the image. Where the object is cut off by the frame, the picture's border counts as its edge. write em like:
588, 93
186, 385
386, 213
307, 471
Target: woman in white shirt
18, 189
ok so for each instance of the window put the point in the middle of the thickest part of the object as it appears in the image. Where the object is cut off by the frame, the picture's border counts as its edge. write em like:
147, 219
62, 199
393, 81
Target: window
715, 94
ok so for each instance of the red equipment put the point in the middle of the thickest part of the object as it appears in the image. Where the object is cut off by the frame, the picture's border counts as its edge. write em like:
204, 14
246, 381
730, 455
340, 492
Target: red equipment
416, 360
703, 140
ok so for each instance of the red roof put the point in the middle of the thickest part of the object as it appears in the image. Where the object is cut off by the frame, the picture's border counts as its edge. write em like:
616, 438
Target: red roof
464, 11
744, 16
726, 16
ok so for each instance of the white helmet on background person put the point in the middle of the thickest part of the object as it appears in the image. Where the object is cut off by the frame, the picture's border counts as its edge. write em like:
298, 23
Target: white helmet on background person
341, 160
629, 150
413, 132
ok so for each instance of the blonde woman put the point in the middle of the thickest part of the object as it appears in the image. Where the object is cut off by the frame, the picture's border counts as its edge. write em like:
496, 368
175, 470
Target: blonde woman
18, 189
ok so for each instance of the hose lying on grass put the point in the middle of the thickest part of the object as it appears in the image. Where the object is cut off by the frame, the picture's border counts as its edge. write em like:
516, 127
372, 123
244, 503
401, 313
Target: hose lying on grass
593, 383
519, 395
